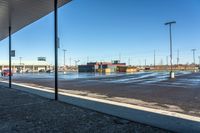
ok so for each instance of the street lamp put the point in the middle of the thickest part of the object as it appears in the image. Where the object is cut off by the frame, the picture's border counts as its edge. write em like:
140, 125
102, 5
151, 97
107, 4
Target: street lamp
170, 37
194, 63
154, 58
76, 62
64, 50
20, 61
199, 62
178, 59
193, 51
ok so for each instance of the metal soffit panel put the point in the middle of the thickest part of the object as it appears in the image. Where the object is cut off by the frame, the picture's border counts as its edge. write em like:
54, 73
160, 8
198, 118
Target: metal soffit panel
20, 13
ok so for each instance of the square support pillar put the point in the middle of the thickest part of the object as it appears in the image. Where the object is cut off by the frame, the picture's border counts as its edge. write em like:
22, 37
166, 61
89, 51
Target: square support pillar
10, 60
56, 47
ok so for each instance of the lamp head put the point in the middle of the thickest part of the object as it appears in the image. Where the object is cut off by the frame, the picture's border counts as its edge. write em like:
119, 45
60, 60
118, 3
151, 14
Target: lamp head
171, 22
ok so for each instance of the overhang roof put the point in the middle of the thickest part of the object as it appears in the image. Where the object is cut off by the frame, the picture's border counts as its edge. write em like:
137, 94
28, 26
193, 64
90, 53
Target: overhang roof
23, 13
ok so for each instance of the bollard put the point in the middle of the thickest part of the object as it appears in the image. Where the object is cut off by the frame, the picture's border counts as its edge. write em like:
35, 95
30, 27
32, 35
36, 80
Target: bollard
172, 75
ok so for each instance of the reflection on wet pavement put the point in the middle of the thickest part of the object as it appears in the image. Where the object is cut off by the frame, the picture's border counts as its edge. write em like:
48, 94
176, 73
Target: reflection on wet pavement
183, 78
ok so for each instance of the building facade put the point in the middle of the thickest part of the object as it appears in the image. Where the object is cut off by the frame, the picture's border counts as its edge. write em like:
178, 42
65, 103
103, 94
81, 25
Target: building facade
26, 66
100, 67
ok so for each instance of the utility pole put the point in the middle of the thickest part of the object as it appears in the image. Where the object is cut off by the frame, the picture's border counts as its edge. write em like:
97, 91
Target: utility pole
167, 60
193, 50
178, 57
170, 37
145, 62
154, 58
87, 59
76, 62
161, 62
64, 50
70, 61
20, 61
139, 63
119, 57
199, 61
129, 61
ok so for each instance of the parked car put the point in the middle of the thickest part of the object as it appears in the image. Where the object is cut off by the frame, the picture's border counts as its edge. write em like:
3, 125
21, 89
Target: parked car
41, 71
49, 71
6, 73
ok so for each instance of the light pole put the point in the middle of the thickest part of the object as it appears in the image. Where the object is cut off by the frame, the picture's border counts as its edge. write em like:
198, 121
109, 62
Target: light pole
64, 50
129, 61
178, 59
193, 50
120, 56
76, 62
87, 59
154, 58
20, 61
166, 60
70, 60
170, 37
199, 62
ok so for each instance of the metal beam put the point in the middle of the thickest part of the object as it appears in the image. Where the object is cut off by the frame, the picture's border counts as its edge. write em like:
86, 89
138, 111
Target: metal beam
56, 47
10, 60
24, 12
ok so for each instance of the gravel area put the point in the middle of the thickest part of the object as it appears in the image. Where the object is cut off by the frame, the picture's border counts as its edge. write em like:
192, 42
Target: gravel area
22, 112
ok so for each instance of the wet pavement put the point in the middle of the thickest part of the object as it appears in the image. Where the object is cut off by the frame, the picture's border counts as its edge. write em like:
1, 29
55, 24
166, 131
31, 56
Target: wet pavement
150, 89
183, 78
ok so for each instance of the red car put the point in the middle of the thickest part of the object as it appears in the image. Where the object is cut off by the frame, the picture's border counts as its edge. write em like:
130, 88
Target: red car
6, 73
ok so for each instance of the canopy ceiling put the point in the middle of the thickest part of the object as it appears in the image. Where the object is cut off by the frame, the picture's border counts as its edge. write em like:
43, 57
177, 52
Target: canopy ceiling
23, 13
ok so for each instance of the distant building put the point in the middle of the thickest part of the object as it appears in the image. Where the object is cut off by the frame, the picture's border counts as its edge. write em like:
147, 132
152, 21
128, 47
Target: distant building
127, 69
100, 66
33, 66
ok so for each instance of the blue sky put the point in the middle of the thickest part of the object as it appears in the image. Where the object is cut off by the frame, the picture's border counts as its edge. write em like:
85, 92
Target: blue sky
104, 29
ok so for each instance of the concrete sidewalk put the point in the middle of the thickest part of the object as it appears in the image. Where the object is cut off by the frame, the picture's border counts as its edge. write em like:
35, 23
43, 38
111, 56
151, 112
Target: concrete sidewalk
23, 112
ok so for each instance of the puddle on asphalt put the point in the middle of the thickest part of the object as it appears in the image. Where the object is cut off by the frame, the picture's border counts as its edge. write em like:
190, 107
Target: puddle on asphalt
182, 77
